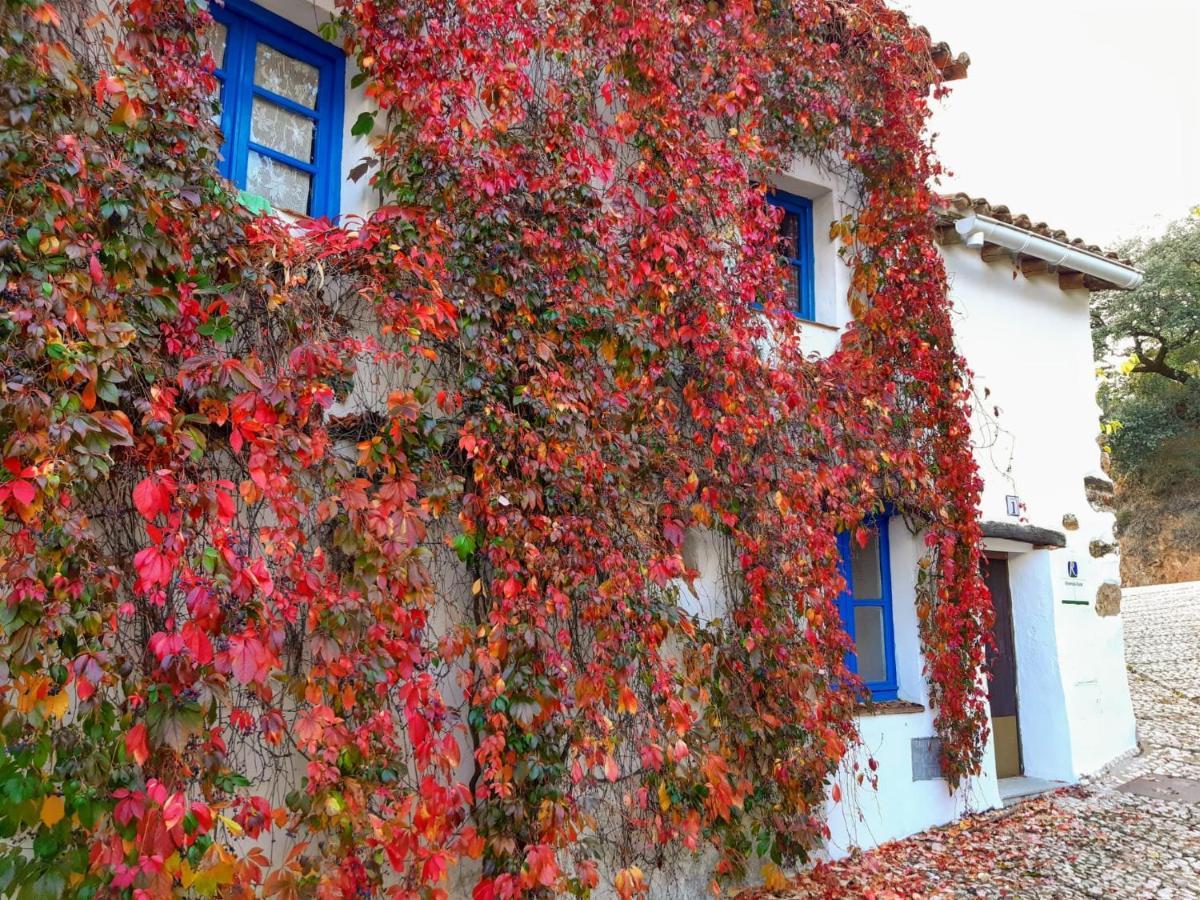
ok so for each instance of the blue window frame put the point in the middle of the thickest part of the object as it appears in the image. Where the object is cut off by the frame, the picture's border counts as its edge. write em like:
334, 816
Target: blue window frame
866, 607
281, 108
796, 248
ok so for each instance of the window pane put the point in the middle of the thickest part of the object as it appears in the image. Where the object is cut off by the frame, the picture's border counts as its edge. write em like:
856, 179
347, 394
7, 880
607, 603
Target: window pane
789, 236
868, 642
277, 128
285, 188
217, 98
795, 273
291, 78
865, 568
216, 43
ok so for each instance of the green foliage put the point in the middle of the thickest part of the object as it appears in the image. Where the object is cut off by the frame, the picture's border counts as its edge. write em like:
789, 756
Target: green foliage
1142, 413
1148, 344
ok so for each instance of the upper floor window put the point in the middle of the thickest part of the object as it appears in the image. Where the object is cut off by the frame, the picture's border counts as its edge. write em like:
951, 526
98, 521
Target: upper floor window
866, 607
796, 249
281, 108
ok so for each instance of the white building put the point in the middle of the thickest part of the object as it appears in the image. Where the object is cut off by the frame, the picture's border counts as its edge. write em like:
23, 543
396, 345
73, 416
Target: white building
1060, 700
1061, 706
1059, 697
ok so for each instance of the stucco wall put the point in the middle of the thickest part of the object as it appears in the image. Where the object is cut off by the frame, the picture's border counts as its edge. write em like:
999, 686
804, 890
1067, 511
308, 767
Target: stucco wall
901, 805
1029, 346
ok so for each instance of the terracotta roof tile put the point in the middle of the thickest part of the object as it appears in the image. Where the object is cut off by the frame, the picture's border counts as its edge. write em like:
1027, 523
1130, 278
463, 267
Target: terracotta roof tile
961, 204
952, 67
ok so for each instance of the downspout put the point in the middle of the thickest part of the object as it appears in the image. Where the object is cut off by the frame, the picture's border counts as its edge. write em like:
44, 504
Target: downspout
1020, 241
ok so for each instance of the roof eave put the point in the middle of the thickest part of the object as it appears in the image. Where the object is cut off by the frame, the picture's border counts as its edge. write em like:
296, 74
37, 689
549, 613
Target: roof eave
1034, 250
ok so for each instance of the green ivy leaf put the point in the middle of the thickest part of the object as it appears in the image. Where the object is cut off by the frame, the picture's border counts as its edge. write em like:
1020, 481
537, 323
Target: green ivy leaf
464, 546
363, 124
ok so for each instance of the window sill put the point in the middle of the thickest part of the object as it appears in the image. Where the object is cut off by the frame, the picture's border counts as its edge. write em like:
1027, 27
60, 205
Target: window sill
813, 323
890, 708
824, 326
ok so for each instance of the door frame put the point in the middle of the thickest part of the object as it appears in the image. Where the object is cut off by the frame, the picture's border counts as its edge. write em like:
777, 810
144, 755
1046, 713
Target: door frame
993, 558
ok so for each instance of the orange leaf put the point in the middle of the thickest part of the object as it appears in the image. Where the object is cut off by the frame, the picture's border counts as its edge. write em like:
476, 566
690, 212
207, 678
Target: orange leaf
54, 809
126, 114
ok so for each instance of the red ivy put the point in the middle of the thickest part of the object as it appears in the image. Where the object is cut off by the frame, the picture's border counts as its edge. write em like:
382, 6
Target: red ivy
375, 539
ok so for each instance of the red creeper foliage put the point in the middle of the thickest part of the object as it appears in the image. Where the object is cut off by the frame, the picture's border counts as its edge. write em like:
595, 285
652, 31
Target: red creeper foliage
353, 560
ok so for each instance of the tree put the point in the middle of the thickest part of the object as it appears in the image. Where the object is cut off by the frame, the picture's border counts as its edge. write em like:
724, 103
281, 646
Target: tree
369, 537
1148, 342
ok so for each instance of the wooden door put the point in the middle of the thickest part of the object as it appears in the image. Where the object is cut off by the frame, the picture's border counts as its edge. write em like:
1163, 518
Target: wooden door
1002, 671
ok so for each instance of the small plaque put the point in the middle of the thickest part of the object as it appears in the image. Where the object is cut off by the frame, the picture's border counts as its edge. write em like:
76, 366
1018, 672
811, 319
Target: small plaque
1073, 585
926, 759
1013, 503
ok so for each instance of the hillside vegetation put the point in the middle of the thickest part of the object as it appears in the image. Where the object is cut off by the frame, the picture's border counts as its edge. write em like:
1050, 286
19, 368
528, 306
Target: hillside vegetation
1158, 516
1148, 345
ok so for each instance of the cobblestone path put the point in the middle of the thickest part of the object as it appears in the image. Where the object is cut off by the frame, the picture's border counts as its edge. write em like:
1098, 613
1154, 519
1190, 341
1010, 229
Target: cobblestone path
1090, 841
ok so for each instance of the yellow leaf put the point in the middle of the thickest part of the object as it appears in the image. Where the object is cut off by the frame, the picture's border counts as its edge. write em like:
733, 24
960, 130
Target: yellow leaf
56, 704
234, 828
773, 878
664, 799
54, 808
215, 869
30, 690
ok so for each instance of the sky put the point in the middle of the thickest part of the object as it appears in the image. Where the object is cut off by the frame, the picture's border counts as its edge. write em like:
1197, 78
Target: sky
1085, 114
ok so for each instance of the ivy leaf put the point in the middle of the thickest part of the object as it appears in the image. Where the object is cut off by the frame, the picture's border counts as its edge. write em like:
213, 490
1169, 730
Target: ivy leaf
153, 568
152, 496
249, 659
22, 491
363, 125
464, 545
54, 810
136, 745
126, 114
219, 328
173, 725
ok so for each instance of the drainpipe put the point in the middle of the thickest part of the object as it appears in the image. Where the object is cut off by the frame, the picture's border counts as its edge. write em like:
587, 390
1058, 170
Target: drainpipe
978, 229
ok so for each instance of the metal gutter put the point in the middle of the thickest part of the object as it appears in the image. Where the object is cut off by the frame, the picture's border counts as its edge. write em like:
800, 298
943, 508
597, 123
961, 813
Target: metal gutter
977, 229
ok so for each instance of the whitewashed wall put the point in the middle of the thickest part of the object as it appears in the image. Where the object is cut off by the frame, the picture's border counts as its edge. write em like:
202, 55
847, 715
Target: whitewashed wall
902, 805
1029, 344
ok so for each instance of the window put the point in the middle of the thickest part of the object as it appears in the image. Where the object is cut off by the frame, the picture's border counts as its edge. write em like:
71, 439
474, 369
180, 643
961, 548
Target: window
281, 108
796, 248
866, 608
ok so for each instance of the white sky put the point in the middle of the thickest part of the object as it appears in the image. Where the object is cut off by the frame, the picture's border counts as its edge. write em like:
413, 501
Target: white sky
1082, 113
